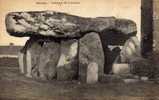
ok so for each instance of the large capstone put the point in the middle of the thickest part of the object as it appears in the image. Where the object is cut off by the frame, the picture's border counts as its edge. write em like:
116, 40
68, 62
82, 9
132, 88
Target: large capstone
90, 51
62, 25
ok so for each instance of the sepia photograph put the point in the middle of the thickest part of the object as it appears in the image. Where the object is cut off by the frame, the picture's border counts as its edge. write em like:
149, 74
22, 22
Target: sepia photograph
79, 49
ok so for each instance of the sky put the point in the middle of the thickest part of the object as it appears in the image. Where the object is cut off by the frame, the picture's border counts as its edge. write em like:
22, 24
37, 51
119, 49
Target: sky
129, 9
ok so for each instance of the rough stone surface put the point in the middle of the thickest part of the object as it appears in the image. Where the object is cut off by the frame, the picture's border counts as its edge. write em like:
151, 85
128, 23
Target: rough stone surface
129, 53
130, 50
32, 57
60, 44
111, 54
29, 62
48, 59
62, 25
143, 78
23, 56
67, 68
41, 58
21, 62
89, 74
90, 50
121, 68
92, 73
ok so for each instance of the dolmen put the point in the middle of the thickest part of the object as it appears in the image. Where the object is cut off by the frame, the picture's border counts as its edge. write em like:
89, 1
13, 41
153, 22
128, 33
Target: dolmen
63, 46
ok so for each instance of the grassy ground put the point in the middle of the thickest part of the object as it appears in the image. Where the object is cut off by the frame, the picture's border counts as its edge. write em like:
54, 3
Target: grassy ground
14, 86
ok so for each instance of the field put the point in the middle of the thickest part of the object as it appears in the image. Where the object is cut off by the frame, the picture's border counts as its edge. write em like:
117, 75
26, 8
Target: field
14, 86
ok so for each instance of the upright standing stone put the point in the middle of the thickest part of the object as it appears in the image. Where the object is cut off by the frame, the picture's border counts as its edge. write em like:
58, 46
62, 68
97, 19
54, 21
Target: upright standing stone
46, 64
67, 68
21, 61
92, 73
32, 56
90, 50
130, 50
29, 63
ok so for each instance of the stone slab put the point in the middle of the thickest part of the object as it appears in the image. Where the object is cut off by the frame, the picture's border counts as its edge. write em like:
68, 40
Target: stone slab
90, 50
67, 68
63, 25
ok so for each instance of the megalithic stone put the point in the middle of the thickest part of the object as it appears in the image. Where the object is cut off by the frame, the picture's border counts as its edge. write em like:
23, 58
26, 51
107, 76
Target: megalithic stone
28, 63
25, 56
21, 61
121, 68
62, 25
33, 49
48, 60
92, 73
78, 44
67, 68
130, 50
41, 58
90, 50
32, 57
